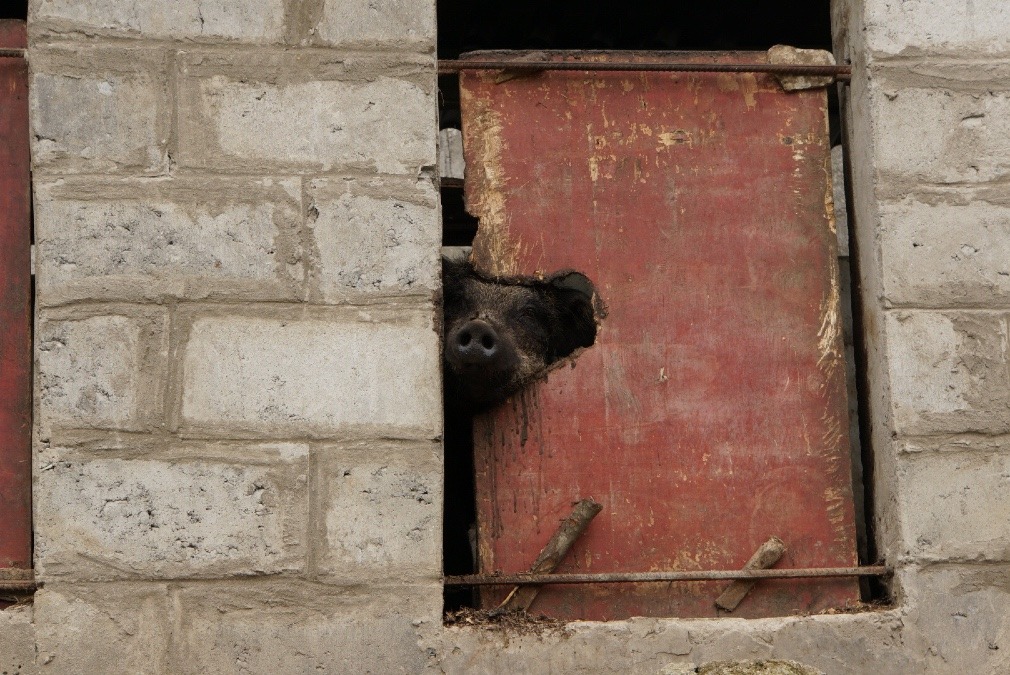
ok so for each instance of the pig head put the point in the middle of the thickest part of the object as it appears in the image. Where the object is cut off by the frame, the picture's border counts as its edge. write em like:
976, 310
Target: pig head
501, 334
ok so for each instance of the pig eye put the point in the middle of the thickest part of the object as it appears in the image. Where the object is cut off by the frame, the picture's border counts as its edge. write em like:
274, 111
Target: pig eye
533, 312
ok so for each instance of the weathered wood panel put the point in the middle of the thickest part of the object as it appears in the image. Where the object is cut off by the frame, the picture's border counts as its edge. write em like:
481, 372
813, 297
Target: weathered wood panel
711, 414
15, 305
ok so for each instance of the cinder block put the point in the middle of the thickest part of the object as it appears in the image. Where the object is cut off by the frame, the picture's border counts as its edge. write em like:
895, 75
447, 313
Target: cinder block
178, 518
105, 114
249, 20
937, 26
391, 23
301, 628
304, 112
938, 253
138, 239
957, 136
382, 518
103, 628
370, 370
955, 506
374, 236
100, 372
947, 372
17, 641
960, 611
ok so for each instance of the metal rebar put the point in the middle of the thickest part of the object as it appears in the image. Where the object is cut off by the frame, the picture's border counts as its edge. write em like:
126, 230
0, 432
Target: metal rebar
843, 73
23, 586
17, 53
638, 577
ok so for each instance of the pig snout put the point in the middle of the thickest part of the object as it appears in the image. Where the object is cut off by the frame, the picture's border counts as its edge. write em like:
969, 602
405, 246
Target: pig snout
476, 345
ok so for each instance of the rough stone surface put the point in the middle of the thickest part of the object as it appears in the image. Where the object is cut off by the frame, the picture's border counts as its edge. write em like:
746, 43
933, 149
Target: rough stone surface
146, 239
297, 628
367, 22
917, 26
955, 506
93, 372
109, 518
249, 20
874, 642
961, 612
241, 119
103, 628
108, 118
938, 252
957, 135
948, 371
366, 240
382, 518
17, 641
770, 667
368, 370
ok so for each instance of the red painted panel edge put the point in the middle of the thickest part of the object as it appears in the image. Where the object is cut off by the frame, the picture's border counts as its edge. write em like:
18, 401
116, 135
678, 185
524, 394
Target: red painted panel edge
13, 34
15, 305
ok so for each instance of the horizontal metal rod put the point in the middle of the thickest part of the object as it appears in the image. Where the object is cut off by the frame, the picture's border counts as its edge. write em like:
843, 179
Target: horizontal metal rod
7, 51
843, 73
638, 577
24, 586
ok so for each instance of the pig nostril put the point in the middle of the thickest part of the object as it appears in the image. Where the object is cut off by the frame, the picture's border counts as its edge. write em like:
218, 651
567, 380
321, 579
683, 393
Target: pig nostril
464, 338
487, 341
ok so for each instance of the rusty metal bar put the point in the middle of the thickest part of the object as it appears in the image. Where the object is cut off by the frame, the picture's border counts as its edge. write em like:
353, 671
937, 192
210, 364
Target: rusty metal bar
639, 577
17, 580
17, 53
842, 73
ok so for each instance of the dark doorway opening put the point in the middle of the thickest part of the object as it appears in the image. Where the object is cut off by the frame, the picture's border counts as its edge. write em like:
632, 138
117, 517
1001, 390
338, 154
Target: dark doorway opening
14, 10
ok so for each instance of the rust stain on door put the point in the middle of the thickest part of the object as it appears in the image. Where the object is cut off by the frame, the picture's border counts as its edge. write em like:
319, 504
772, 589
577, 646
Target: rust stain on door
710, 414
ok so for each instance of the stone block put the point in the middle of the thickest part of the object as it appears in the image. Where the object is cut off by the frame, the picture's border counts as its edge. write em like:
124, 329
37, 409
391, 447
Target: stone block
939, 253
329, 372
306, 112
249, 20
957, 136
100, 372
382, 513
937, 26
17, 641
390, 23
178, 518
300, 628
954, 506
947, 372
103, 628
961, 613
109, 113
147, 239
373, 235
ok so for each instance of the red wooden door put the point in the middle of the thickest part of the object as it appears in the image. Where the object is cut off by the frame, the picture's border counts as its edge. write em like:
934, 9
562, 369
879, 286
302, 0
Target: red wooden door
15, 305
711, 413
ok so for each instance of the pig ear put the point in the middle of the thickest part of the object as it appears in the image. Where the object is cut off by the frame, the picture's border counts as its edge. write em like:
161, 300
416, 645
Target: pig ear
573, 297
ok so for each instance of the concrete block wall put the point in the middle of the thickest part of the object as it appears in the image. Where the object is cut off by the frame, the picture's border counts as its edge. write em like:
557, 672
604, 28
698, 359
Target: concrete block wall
238, 466
237, 463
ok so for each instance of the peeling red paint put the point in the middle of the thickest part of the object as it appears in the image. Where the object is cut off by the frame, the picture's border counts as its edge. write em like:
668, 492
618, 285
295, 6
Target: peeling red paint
711, 413
15, 305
